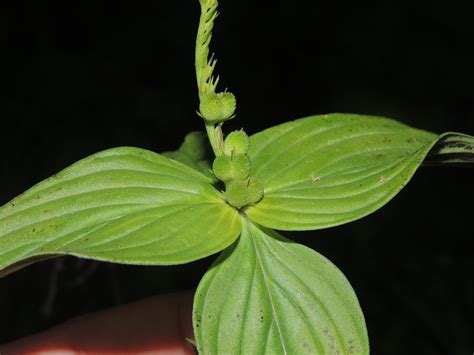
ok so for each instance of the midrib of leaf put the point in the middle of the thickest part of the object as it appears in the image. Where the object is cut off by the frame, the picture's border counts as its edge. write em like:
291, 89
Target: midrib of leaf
282, 188
108, 241
174, 233
267, 286
44, 244
358, 192
26, 227
301, 312
31, 247
222, 215
328, 198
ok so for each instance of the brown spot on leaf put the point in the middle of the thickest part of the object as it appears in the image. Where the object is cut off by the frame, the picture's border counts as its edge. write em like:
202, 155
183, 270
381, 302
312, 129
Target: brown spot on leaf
314, 178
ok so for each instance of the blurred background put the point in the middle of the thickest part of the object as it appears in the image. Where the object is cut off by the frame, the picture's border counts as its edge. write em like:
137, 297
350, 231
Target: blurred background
79, 77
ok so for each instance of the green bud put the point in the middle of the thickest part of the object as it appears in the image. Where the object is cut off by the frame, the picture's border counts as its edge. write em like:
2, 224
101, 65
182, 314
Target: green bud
254, 190
240, 193
240, 167
222, 167
236, 143
228, 168
218, 107
236, 193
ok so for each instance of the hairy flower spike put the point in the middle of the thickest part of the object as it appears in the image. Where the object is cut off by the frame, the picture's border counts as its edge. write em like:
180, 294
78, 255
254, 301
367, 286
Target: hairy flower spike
232, 164
204, 65
214, 108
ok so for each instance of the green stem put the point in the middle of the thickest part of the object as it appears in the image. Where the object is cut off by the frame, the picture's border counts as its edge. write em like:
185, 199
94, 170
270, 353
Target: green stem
215, 138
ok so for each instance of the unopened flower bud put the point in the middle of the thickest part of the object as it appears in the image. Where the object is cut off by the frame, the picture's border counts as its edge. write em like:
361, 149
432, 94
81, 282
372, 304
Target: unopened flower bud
218, 107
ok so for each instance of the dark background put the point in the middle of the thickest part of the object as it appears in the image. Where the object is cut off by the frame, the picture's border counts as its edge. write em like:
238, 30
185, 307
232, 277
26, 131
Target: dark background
78, 77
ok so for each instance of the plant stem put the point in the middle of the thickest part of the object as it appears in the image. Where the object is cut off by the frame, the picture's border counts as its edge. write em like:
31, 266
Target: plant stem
215, 139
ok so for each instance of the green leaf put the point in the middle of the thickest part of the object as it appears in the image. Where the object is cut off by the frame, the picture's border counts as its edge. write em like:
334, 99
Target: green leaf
124, 205
452, 149
192, 153
323, 171
268, 295
195, 145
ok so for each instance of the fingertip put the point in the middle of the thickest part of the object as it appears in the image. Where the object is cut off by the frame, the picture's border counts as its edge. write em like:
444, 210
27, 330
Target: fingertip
156, 325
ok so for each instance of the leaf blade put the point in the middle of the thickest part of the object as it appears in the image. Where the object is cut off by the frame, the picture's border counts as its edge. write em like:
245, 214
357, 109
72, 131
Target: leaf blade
267, 294
193, 152
323, 171
138, 197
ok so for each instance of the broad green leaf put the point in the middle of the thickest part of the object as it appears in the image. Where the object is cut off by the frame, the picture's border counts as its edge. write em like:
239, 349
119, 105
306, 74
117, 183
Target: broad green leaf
124, 205
323, 171
192, 153
452, 149
268, 295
